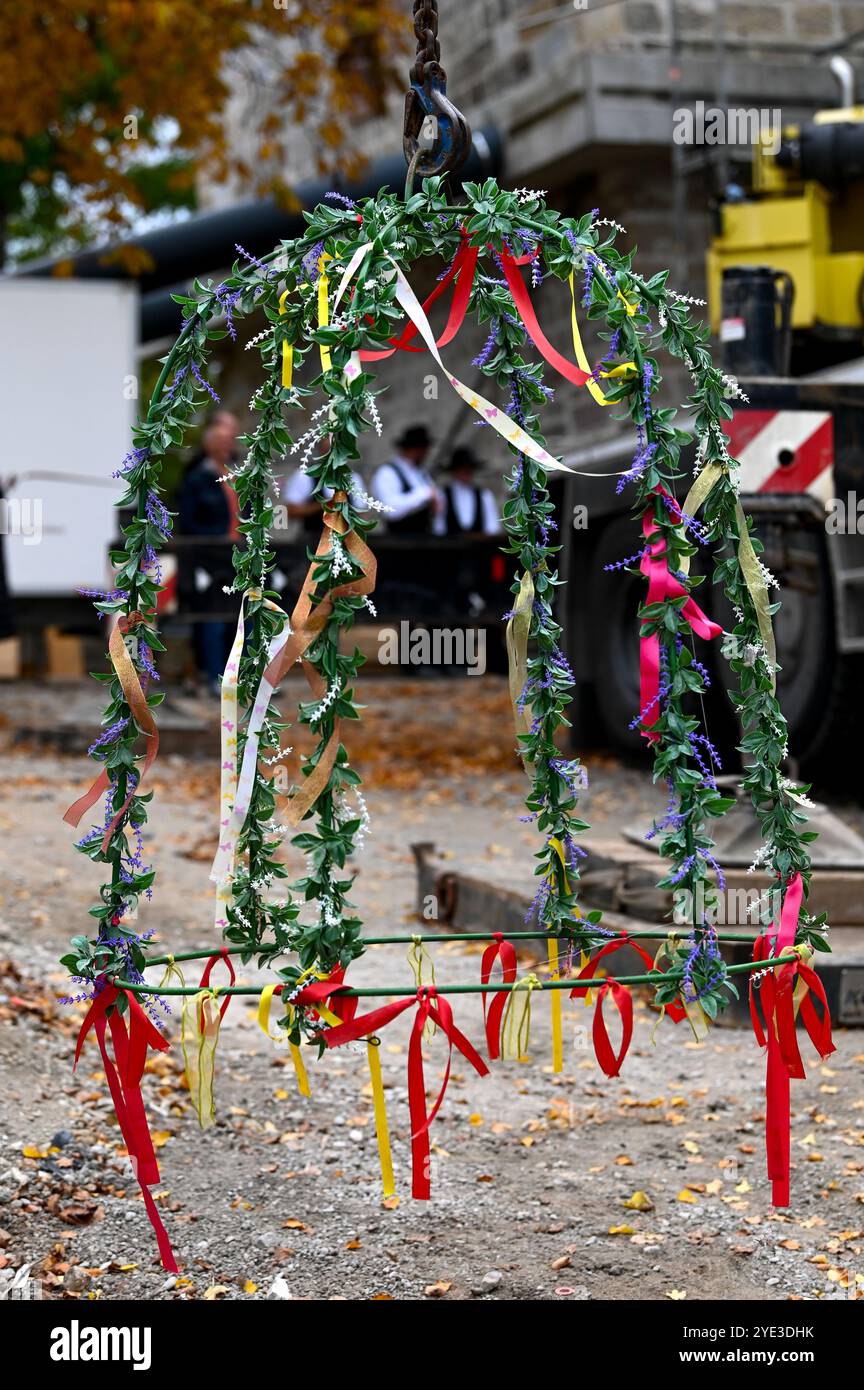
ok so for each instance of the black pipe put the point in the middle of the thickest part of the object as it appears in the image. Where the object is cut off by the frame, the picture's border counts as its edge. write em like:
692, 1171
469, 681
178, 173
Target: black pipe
205, 243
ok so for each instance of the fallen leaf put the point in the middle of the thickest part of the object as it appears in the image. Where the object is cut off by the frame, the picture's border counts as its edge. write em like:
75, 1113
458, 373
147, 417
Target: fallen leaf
640, 1201
438, 1289
677, 1294
215, 1291
685, 1195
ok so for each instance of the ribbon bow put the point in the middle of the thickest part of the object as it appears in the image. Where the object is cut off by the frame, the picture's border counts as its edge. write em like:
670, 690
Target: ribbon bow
432, 1006
781, 999
607, 1059
124, 1073
505, 952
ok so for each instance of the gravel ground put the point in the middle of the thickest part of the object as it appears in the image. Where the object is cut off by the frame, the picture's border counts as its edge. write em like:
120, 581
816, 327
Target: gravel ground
531, 1171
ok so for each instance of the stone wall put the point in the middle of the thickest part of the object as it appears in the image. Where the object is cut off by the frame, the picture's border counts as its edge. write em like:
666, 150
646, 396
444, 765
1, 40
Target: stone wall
584, 100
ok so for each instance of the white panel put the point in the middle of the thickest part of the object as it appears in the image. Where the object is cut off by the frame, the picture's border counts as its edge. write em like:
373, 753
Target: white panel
67, 354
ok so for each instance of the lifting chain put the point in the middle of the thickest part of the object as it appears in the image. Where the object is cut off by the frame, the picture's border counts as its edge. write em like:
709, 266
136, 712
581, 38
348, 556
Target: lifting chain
427, 99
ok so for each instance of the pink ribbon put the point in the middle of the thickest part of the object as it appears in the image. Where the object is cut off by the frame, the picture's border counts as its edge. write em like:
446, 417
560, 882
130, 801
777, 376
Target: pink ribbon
661, 586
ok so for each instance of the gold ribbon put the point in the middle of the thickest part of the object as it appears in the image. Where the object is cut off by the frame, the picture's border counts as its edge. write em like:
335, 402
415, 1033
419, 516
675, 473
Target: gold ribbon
518, 627
199, 1036
747, 559
516, 1023
419, 959
754, 579
382, 1131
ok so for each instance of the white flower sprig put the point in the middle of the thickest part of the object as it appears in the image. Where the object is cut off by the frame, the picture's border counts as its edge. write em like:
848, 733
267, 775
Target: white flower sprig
332, 694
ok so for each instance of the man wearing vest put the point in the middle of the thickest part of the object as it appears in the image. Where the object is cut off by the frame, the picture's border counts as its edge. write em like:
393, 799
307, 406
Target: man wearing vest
468, 509
405, 487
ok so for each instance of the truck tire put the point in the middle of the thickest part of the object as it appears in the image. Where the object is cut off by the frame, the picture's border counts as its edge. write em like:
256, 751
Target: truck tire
807, 684
614, 599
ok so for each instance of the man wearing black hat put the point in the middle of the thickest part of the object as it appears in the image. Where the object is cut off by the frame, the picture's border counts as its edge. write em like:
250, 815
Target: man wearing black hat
405, 487
468, 509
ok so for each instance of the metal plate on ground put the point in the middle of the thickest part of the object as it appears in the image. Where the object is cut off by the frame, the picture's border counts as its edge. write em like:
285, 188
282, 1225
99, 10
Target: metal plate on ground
850, 1008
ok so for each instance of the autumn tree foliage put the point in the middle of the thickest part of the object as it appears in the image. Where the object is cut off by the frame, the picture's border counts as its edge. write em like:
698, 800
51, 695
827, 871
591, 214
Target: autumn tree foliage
113, 108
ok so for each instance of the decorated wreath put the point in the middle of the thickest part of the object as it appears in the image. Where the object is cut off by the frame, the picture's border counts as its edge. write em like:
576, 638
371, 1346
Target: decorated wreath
338, 301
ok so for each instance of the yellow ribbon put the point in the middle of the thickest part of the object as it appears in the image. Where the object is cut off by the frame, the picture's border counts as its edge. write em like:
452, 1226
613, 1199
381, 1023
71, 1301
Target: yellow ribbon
623, 369
199, 1036
382, 1132
583, 959
323, 307
172, 972
296, 1055
287, 349
557, 1032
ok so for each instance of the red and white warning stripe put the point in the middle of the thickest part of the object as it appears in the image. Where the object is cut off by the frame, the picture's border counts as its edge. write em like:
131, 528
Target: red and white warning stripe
166, 598
759, 439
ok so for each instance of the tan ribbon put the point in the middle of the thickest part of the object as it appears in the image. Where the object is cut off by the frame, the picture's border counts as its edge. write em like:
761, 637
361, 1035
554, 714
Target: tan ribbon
747, 559
137, 702
420, 960
199, 1035
516, 1023
518, 627
306, 623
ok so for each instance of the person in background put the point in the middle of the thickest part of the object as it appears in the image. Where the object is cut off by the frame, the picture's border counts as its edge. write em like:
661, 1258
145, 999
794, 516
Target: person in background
405, 487
303, 507
209, 507
468, 509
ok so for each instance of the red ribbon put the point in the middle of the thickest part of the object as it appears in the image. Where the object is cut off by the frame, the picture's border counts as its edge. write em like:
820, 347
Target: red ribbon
430, 1005
609, 1060
464, 265
344, 1006
588, 972
522, 300
505, 952
204, 982
661, 586
776, 992
124, 1083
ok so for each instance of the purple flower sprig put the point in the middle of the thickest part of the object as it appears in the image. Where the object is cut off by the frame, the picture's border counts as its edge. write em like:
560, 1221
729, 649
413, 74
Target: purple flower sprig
488, 347
310, 262
336, 197
643, 457
204, 383
268, 271
634, 559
